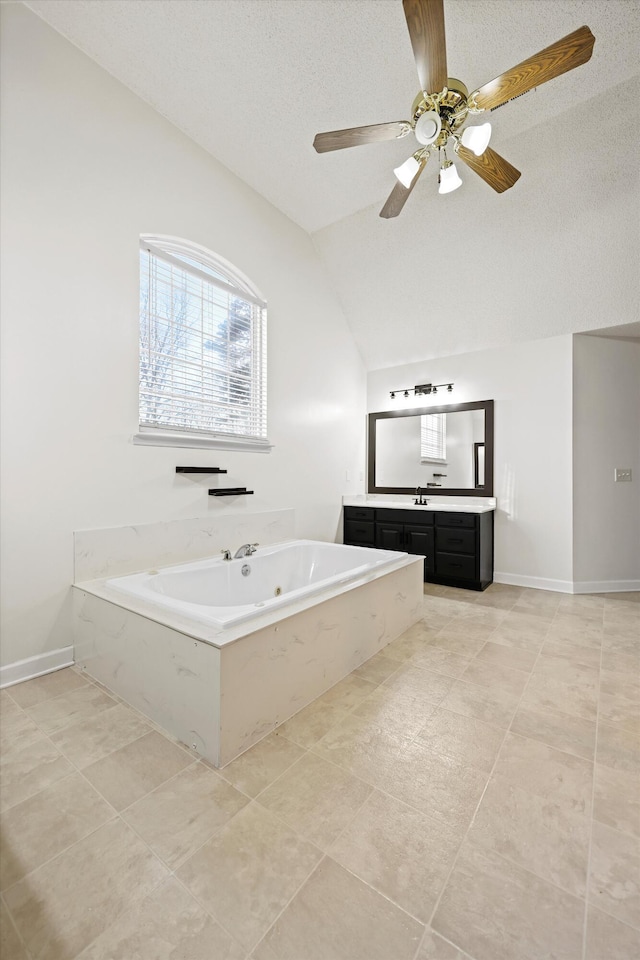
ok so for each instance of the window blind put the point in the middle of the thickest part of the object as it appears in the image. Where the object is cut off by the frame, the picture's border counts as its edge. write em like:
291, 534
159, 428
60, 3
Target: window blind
433, 438
202, 349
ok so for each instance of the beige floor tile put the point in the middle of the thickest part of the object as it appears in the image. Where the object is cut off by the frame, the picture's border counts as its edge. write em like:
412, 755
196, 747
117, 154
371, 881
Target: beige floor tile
619, 697
589, 607
133, 771
459, 643
465, 738
581, 633
608, 939
11, 947
532, 630
440, 660
261, 765
566, 669
484, 703
413, 640
434, 947
544, 606
399, 851
544, 836
440, 786
495, 675
336, 915
560, 730
621, 641
515, 658
43, 688
616, 800
348, 693
625, 663
547, 690
167, 925
183, 813
25, 771
495, 910
546, 772
86, 742
376, 669
468, 628
474, 615
614, 883
311, 723
41, 827
573, 653
246, 874
61, 907
363, 747
17, 730
419, 684
618, 747
78, 705
395, 711
316, 799
8, 705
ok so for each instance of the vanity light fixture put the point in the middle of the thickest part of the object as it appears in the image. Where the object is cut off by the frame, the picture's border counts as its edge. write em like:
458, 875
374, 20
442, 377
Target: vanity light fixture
421, 389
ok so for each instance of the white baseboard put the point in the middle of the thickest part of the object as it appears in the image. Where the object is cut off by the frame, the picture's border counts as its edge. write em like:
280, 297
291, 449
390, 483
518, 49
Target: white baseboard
605, 586
537, 583
568, 586
35, 666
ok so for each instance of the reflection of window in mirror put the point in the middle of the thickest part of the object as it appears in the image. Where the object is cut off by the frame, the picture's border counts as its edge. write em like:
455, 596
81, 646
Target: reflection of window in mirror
433, 438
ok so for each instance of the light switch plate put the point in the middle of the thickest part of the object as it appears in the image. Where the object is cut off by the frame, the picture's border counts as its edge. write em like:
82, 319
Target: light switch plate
622, 473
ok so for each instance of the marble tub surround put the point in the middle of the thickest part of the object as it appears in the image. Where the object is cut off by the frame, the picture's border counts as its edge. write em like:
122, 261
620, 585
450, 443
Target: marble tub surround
112, 551
333, 838
444, 503
220, 691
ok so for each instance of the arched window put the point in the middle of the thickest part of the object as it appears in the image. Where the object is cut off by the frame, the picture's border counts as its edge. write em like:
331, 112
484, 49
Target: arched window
202, 349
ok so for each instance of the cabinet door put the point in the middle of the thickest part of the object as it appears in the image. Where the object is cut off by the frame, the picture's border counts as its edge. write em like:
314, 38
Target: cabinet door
420, 540
390, 536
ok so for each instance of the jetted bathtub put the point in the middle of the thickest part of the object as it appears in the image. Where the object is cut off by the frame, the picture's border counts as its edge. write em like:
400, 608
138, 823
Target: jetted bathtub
223, 593
220, 652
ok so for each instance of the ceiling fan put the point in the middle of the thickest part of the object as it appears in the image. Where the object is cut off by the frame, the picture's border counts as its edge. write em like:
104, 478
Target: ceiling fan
444, 104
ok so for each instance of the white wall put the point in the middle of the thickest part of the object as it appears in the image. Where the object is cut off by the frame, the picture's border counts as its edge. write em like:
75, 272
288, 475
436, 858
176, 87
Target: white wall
87, 168
531, 386
606, 435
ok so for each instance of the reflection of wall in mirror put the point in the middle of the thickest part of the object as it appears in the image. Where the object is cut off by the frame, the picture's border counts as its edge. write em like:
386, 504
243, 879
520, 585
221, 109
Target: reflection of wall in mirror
398, 462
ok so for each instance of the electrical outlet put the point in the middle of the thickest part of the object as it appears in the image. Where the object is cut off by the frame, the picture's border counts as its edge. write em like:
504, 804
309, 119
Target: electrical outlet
622, 473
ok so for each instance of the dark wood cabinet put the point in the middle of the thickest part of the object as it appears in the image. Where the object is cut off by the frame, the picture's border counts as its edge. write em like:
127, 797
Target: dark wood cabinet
457, 546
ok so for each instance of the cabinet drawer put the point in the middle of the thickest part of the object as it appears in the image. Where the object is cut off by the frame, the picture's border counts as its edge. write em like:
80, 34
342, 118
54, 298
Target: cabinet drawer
455, 520
455, 541
455, 565
358, 513
359, 531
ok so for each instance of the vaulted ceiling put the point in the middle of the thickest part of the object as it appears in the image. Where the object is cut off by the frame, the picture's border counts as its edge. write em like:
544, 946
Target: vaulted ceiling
252, 81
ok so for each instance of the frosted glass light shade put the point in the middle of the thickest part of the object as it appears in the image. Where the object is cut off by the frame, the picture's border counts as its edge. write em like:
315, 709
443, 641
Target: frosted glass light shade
449, 179
406, 172
477, 139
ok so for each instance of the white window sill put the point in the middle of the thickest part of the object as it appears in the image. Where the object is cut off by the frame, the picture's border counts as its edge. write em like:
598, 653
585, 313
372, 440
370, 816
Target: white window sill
158, 439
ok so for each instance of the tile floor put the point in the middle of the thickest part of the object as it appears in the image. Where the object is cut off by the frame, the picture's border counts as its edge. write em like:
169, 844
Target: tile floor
471, 792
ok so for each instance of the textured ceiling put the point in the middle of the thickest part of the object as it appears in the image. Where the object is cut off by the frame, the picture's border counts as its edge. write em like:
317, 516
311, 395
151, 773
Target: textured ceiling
252, 81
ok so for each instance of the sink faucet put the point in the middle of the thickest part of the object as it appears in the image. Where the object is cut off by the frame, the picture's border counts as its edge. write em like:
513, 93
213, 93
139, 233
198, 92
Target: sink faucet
419, 501
245, 550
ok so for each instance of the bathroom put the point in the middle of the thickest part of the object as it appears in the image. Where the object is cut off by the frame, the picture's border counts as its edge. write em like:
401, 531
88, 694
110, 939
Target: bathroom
91, 167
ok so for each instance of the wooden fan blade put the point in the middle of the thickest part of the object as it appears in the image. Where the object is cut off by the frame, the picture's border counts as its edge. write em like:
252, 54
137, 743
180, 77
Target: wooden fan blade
354, 136
400, 194
425, 20
494, 169
564, 55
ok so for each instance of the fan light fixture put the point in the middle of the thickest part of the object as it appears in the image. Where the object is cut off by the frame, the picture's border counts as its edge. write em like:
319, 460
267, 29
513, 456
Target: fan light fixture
477, 138
448, 179
428, 127
407, 171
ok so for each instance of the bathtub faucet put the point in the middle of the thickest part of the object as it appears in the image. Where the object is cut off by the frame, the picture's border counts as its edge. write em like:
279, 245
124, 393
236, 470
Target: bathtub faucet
245, 550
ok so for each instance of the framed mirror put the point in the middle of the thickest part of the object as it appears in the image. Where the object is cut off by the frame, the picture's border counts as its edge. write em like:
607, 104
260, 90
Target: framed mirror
446, 450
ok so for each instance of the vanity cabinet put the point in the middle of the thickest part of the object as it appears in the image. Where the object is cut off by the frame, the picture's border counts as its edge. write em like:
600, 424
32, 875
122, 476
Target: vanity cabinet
458, 546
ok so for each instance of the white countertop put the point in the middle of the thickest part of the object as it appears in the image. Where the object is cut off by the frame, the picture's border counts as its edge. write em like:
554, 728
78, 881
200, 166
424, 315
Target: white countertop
450, 504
